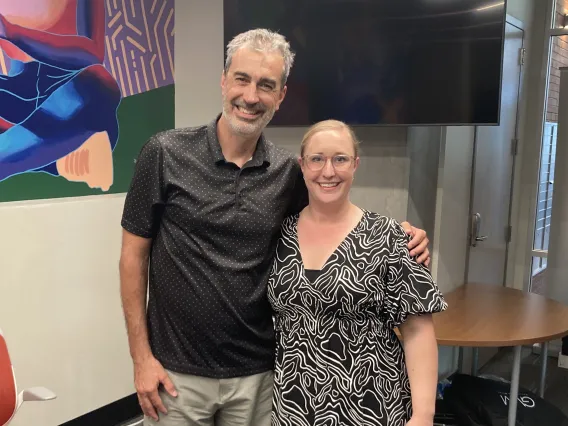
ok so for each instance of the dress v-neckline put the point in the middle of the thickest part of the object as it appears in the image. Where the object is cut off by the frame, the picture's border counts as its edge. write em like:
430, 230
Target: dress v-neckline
343, 241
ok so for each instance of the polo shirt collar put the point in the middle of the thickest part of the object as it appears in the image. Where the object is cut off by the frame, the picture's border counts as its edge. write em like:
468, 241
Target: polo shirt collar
259, 158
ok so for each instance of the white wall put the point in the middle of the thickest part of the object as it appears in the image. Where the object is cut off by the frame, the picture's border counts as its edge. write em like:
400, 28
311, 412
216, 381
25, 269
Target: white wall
424, 144
449, 257
60, 307
522, 10
452, 207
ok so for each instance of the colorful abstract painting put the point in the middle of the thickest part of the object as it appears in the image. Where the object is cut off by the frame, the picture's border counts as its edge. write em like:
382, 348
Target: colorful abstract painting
83, 85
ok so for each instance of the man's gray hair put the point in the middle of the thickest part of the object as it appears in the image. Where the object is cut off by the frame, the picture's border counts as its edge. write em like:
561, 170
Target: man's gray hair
265, 41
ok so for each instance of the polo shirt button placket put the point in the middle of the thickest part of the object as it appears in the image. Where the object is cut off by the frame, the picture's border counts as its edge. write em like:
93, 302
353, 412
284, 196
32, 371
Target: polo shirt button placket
237, 190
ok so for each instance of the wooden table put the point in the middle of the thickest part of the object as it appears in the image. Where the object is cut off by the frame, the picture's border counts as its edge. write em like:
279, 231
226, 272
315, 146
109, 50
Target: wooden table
482, 315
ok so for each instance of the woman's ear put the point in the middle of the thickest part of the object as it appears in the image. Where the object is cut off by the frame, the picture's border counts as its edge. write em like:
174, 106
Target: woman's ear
357, 161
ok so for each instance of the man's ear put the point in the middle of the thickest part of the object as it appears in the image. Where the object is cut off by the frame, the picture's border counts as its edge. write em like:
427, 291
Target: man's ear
281, 97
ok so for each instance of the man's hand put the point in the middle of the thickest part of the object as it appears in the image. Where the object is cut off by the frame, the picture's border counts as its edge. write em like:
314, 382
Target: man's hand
418, 245
148, 375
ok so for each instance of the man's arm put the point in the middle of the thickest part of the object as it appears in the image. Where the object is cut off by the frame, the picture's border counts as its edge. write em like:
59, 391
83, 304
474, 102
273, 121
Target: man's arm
148, 372
133, 287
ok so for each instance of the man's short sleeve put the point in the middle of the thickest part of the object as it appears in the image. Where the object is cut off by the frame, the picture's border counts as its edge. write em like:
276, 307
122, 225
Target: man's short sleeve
299, 198
145, 198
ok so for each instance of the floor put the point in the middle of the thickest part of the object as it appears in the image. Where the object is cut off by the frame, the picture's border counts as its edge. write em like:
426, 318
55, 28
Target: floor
556, 389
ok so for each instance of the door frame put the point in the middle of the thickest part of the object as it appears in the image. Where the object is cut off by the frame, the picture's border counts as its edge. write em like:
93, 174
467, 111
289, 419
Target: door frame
546, 58
534, 110
510, 20
474, 359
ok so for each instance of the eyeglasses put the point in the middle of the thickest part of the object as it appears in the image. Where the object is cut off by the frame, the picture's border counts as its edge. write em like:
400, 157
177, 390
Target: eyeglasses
316, 162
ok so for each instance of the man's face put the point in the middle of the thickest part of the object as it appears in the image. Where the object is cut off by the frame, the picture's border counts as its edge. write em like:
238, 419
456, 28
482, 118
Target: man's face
252, 90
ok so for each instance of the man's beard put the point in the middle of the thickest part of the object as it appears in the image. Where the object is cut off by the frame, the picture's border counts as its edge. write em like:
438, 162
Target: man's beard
242, 127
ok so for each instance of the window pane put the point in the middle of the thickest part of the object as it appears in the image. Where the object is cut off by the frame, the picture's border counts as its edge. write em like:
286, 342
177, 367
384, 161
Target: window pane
538, 276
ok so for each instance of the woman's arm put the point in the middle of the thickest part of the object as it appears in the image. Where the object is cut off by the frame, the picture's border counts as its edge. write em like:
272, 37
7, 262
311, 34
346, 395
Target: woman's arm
421, 353
65, 51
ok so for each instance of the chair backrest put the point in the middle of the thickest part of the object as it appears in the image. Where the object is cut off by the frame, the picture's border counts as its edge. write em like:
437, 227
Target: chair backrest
8, 392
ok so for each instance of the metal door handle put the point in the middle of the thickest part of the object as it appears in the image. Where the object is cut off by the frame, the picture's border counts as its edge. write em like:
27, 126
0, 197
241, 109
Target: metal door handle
475, 225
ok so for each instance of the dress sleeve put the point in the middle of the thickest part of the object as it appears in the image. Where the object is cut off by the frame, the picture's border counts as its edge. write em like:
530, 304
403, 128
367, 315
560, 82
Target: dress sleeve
410, 288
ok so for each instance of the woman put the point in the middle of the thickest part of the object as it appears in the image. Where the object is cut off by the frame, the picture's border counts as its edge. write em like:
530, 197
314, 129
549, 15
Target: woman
342, 281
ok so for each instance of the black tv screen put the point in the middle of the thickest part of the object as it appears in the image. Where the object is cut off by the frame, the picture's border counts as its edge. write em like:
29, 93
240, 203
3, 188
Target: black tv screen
384, 62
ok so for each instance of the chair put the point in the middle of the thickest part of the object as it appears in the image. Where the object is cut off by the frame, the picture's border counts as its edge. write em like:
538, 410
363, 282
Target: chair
10, 400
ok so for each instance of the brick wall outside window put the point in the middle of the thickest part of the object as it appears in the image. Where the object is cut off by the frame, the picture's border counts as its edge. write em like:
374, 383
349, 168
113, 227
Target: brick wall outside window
559, 59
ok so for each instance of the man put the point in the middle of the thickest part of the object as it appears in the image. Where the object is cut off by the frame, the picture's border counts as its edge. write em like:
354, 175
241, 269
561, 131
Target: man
200, 221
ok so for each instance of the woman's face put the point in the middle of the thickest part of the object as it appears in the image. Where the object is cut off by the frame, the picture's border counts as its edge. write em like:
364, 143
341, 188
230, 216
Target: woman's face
329, 165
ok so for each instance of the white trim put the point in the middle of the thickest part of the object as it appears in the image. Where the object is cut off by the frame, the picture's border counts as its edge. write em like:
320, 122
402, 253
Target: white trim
558, 32
540, 253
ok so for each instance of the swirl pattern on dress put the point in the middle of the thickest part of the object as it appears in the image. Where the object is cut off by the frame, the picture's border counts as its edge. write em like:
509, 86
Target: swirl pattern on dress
338, 359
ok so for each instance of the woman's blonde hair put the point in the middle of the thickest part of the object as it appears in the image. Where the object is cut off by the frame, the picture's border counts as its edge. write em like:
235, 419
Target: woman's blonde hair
325, 125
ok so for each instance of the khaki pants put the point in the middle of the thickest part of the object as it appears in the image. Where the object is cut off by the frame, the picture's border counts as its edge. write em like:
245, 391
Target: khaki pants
202, 401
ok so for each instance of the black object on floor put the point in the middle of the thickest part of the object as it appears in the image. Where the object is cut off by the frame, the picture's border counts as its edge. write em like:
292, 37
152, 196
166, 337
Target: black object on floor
115, 413
478, 401
444, 415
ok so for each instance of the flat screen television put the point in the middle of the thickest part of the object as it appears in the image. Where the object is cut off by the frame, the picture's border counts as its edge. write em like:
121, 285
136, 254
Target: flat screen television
384, 62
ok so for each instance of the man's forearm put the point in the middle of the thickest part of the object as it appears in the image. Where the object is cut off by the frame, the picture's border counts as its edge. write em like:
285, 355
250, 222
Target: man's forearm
133, 288
421, 354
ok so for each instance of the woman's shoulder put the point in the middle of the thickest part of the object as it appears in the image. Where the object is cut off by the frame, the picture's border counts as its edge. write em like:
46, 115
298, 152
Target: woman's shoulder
289, 224
379, 222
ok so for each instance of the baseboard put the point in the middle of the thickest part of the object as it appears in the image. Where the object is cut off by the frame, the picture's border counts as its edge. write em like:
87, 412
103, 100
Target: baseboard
124, 412
136, 422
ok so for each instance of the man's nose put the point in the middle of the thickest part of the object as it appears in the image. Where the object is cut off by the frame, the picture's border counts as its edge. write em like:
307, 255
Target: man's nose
250, 96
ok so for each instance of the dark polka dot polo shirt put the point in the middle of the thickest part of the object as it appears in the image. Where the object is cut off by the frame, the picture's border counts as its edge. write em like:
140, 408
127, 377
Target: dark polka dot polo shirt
214, 228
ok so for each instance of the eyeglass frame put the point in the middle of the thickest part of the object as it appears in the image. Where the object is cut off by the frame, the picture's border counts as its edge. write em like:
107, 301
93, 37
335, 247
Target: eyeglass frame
326, 158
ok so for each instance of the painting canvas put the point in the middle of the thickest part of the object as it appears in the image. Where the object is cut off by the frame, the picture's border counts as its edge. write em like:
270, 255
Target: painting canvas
83, 85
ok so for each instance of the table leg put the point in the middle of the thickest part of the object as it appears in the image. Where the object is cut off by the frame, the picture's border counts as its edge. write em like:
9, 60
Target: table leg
474, 361
515, 385
543, 363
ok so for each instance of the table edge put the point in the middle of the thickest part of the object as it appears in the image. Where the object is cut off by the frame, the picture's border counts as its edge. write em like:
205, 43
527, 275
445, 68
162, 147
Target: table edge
493, 343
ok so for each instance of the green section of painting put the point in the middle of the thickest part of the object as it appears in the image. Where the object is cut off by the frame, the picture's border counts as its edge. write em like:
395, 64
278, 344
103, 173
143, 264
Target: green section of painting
139, 117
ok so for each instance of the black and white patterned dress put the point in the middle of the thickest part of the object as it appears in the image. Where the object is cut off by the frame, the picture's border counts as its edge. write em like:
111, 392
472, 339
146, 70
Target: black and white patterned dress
338, 360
